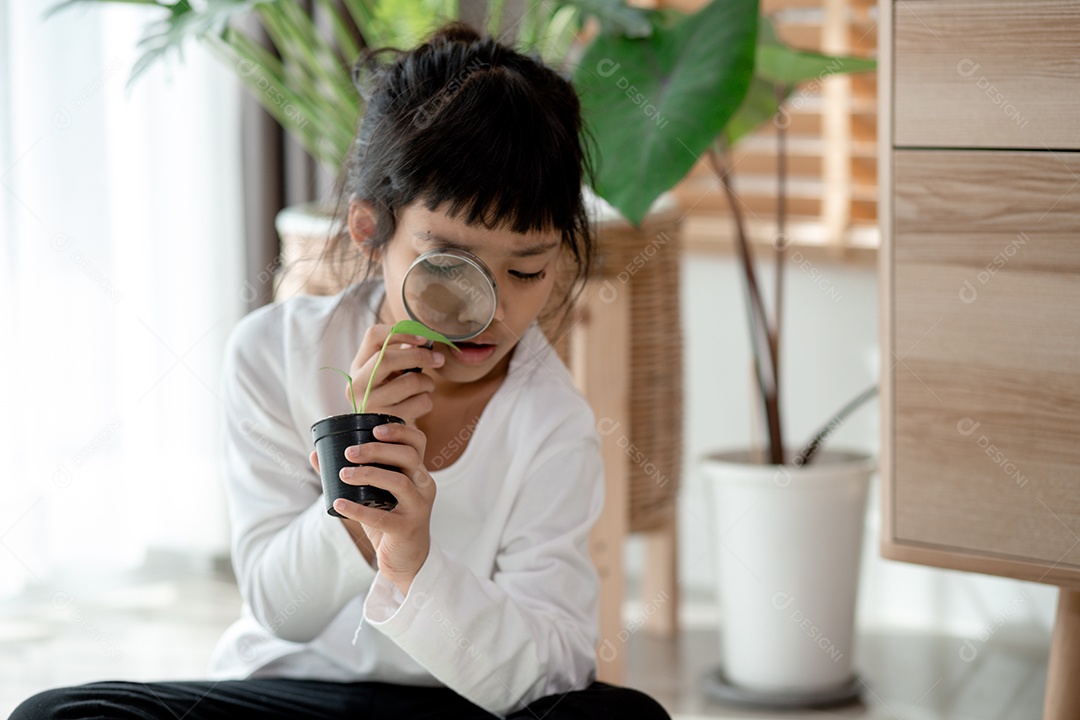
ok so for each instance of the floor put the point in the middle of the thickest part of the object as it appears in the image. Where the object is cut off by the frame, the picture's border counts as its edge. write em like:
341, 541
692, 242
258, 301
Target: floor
165, 627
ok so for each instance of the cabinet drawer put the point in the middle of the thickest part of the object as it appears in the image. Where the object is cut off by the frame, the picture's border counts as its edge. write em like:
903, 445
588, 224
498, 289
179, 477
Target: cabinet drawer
987, 74
985, 331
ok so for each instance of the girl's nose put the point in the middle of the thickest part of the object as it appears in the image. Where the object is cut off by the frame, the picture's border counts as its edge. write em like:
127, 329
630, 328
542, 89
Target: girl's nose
500, 309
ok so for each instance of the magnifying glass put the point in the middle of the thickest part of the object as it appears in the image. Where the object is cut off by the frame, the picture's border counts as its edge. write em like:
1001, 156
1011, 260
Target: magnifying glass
452, 292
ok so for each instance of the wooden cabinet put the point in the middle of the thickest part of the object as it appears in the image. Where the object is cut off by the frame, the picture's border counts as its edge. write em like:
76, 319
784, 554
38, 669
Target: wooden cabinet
980, 280
985, 354
985, 74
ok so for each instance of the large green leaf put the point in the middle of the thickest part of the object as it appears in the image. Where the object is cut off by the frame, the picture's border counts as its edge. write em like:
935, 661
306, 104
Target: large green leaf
758, 106
780, 63
616, 17
654, 104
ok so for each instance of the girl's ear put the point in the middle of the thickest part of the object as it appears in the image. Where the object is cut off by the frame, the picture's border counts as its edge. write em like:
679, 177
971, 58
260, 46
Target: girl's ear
362, 226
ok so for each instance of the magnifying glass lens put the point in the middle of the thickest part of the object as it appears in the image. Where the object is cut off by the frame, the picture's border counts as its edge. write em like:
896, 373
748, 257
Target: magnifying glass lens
451, 291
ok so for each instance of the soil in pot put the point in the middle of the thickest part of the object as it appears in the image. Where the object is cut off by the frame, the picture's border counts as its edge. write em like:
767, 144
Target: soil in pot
332, 435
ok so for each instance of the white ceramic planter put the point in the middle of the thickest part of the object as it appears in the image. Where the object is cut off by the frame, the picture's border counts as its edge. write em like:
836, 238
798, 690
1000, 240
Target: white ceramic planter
789, 542
305, 230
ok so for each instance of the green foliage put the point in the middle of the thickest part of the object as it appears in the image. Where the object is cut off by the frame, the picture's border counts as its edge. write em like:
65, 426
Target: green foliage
777, 65
305, 79
654, 104
697, 84
405, 23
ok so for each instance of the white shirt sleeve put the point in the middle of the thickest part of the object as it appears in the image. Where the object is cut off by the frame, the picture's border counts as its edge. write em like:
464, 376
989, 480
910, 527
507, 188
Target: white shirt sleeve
296, 567
530, 630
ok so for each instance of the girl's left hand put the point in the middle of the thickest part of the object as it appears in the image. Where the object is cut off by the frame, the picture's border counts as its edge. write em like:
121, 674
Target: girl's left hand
402, 536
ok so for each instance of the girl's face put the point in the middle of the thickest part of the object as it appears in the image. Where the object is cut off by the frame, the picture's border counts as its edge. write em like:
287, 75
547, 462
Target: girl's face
524, 267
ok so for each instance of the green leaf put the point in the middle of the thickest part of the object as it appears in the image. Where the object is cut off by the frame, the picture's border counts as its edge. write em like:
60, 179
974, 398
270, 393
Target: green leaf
169, 34
655, 104
342, 36
616, 17
758, 107
411, 327
558, 35
404, 23
779, 63
362, 16
404, 327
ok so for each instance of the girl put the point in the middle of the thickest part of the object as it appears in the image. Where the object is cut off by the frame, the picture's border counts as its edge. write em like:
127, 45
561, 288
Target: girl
475, 597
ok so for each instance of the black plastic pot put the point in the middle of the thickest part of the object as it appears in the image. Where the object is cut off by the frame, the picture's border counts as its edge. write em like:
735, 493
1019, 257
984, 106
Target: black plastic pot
332, 435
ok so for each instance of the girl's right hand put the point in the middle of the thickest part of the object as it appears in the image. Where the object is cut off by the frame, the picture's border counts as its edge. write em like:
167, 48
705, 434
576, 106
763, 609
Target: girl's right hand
405, 394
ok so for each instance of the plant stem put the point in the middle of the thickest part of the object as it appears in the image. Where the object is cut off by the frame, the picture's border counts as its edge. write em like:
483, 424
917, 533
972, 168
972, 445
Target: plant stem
810, 449
495, 15
781, 227
374, 370
761, 338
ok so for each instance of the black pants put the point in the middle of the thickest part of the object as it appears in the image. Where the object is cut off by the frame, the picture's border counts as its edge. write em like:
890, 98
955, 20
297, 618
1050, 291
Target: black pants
267, 698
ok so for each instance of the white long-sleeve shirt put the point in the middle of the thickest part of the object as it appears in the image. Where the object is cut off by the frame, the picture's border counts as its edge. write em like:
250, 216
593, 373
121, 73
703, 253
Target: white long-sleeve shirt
504, 609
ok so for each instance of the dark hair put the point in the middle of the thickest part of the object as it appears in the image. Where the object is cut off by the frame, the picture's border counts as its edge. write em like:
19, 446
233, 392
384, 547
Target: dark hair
467, 123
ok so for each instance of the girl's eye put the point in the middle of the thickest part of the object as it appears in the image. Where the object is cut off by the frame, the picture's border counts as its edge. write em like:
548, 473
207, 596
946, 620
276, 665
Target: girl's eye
529, 277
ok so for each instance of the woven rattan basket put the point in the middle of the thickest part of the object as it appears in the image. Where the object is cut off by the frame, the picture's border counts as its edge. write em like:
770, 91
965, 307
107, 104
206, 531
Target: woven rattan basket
636, 265
645, 262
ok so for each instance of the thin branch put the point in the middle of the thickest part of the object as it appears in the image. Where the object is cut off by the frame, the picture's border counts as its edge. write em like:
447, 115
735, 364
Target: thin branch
810, 449
781, 242
760, 335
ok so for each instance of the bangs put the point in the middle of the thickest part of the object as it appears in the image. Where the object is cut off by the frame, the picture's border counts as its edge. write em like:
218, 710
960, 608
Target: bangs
487, 152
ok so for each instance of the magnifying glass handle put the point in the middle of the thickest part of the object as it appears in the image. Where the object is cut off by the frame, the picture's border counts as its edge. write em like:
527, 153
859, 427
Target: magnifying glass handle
428, 345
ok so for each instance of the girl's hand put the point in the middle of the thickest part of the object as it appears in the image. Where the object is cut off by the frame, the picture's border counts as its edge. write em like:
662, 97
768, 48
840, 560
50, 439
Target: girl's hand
401, 537
405, 394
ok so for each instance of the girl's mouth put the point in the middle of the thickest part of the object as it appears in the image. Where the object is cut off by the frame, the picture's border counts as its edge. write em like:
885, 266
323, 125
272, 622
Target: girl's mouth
472, 353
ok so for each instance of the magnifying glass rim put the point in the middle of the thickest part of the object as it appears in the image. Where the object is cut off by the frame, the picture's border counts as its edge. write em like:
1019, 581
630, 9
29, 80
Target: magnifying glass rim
472, 260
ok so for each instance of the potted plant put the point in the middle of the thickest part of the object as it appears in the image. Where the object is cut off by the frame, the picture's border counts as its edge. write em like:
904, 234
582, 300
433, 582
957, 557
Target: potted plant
332, 435
791, 521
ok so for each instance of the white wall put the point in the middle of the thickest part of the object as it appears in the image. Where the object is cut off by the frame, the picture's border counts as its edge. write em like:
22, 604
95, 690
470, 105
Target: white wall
120, 266
829, 354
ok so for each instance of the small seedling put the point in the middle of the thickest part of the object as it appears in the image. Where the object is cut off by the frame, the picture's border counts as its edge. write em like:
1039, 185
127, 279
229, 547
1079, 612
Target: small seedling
410, 327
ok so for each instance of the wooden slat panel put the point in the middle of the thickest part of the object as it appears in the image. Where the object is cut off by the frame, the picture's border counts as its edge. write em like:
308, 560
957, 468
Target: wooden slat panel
864, 211
698, 197
801, 35
769, 7
864, 171
991, 73
864, 84
986, 358
765, 164
863, 39
801, 124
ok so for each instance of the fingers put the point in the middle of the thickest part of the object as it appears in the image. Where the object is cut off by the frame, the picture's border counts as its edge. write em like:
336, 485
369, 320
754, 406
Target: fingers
393, 390
373, 341
380, 522
313, 458
400, 447
402, 358
410, 494
393, 434
401, 388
